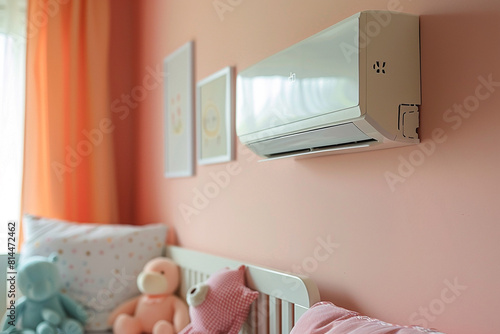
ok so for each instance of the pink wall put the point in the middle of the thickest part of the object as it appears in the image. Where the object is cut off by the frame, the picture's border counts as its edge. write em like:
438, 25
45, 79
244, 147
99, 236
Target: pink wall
425, 253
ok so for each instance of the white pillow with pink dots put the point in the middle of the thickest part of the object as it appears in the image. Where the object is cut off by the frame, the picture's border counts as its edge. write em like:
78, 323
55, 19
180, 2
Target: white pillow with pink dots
98, 263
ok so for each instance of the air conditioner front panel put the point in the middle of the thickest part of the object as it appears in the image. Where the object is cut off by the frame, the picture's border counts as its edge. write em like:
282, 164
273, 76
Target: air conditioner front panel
309, 140
352, 87
312, 78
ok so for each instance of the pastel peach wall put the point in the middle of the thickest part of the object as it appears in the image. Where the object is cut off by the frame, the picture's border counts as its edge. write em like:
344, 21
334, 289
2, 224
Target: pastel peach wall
425, 251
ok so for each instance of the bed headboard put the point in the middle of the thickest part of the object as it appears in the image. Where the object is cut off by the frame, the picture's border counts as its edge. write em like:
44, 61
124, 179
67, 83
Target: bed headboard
282, 300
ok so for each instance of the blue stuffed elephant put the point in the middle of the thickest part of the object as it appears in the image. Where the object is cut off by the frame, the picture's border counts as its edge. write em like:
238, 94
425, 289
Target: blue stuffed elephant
43, 309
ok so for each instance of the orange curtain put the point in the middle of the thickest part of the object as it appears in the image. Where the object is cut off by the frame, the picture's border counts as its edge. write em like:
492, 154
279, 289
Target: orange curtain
69, 170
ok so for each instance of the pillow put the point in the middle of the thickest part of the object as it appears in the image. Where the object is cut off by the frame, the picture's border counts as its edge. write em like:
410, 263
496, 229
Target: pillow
98, 264
326, 318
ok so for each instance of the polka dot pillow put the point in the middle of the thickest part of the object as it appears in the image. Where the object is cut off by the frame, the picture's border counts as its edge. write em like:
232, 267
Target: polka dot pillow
99, 264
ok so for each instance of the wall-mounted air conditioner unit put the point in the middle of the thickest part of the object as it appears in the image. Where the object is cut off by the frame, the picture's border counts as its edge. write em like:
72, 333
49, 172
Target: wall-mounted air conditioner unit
351, 87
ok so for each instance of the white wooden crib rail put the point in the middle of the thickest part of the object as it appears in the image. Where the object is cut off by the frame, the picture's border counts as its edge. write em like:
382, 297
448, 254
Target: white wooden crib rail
282, 300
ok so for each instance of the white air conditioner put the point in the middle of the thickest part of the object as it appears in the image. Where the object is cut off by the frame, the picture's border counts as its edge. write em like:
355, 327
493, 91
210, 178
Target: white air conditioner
351, 87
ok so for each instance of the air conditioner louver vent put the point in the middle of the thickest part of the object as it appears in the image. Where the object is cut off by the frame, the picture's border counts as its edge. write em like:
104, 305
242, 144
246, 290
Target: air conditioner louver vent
329, 148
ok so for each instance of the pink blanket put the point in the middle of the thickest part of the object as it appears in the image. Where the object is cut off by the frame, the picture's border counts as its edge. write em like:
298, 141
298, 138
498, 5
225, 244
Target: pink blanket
326, 318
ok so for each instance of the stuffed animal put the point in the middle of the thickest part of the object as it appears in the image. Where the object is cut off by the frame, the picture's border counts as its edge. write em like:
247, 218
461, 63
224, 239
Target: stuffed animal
221, 304
157, 310
43, 309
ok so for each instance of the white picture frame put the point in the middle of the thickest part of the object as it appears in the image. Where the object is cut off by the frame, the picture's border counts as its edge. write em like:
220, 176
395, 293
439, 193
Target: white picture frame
214, 115
178, 112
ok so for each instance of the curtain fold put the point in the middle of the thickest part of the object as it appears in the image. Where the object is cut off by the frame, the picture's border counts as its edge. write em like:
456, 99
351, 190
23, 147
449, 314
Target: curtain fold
12, 83
69, 168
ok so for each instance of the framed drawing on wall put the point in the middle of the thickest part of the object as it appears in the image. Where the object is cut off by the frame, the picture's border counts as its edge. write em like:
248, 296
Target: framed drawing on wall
214, 117
178, 111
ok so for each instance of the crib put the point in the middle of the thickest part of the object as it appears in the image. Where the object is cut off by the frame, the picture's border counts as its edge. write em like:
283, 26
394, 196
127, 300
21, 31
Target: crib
283, 297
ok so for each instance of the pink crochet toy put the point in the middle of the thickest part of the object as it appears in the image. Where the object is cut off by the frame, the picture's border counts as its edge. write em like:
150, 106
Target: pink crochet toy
157, 310
221, 304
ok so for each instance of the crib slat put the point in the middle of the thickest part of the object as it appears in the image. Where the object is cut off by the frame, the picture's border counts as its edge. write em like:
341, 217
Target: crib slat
192, 278
298, 312
245, 329
274, 315
200, 277
286, 317
262, 314
184, 282
252, 319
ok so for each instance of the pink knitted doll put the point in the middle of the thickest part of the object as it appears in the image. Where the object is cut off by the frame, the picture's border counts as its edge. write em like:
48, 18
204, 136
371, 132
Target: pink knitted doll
221, 304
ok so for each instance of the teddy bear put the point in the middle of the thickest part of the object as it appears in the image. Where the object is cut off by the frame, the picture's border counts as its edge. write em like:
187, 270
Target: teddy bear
43, 309
221, 304
157, 310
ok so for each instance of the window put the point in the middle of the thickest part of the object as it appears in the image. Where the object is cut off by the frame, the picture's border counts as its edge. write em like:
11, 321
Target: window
12, 95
